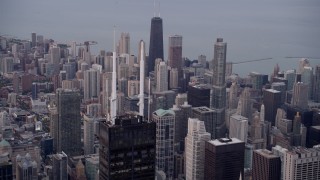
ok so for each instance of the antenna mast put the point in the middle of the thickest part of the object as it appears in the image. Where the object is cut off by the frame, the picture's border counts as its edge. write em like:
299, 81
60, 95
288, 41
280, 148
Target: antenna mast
113, 100
141, 95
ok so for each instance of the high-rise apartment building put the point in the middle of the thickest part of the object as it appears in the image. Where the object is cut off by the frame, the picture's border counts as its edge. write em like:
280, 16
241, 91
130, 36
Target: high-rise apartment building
33, 39
245, 104
89, 136
212, 120
300, 95
233, 96
290, 76
124, 43
316, 84
219, 71
271, 101
162, 77
156, 43
266, 165
302, 163
127, 149
224, 159
238, 127
164, 120
175, 53
68, 124
194, 149
60, 166
91, 84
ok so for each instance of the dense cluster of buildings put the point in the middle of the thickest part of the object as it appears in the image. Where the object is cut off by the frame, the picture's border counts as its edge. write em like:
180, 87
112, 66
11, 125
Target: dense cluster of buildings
68, 114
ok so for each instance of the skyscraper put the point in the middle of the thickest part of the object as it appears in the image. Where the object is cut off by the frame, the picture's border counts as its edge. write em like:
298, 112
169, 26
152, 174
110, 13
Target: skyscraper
175, 53
91, 84
302, 163
194, 149
266, 165
245, 104
124, 43
212, 120
316, 87
33, 39
307, 78
219, 71
238, 127
271, 101
165, 141
59, 166
162, 77
300, 95
68, 124
156, 43
224, 159
127, 149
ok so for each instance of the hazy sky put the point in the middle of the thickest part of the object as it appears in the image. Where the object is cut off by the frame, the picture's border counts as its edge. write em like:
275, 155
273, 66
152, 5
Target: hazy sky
253, 29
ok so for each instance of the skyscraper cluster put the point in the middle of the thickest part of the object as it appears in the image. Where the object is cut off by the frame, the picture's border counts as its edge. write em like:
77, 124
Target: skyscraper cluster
68, 113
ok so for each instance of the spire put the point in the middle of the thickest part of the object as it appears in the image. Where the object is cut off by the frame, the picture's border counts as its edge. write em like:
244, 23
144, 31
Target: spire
141, 95
113, 99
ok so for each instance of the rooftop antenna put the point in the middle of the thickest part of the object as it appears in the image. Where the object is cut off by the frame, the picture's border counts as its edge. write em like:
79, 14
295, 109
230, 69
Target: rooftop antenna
141, 95
154, 8
113, 100
159, 9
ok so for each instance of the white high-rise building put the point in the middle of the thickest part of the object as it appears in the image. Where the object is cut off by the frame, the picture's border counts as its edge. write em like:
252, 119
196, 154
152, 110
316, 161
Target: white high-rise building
91, 84
302, 163
162, 77
300, 95
238, 127
194, 149
165, 141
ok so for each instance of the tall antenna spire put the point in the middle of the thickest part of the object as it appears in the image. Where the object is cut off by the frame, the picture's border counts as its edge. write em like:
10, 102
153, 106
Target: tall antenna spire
154, 8
113, 99
159, 9
141, 95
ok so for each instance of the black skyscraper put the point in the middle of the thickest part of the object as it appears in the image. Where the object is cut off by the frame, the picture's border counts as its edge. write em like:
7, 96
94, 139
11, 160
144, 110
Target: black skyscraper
127, 149
156, 43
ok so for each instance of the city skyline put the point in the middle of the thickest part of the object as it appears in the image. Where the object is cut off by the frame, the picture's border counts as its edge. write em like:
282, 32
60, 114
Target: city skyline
265, 29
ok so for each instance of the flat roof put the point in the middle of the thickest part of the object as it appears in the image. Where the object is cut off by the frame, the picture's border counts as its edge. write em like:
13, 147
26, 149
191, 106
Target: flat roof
225, 141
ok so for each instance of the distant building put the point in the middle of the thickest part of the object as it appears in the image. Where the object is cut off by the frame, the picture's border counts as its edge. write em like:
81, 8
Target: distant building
316, 87
271, 101
300, 95
238, 127
156, 43
175, 53
224, 159
5, 167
